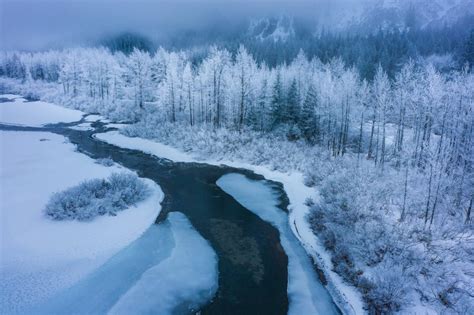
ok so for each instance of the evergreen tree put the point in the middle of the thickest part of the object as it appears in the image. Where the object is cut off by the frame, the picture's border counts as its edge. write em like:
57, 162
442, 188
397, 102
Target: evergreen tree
14, 68
468, 52
257, 116
308, 122
291, 112
277, 103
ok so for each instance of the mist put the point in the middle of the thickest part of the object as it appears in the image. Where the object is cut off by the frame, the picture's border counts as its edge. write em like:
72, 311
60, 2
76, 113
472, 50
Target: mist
45, 24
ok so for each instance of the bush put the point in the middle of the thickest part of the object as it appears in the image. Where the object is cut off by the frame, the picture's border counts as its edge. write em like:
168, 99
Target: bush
329, 239
388, 295
105, 162
97, 197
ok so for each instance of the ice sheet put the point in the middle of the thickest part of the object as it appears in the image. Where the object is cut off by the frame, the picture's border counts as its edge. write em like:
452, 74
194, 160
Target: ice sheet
185, 280
105, 286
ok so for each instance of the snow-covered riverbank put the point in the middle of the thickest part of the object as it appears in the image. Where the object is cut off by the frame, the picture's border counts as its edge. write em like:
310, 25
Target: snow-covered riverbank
346, 297
19, 111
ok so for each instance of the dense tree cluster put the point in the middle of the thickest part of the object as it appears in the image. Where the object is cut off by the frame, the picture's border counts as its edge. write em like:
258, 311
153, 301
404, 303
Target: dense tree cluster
421, 118
448, 47
365, 51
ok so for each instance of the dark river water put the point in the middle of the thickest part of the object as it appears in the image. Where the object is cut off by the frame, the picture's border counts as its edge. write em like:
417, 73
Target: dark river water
252, 264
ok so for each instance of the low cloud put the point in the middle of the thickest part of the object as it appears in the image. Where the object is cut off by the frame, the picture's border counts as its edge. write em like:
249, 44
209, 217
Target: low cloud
42, 24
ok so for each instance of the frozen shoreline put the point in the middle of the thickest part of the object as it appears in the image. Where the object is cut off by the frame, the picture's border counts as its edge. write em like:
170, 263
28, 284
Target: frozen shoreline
345, 296
41, 257
18, 111
306, 294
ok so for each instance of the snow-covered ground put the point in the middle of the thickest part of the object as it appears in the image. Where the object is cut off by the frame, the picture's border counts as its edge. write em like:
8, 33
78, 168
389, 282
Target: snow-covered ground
40, 257
82, 127
35, 114
93, 118
144, 145
306, 294
346, 297
117, 125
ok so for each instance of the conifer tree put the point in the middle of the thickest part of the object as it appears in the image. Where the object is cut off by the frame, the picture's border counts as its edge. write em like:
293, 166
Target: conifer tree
308, 122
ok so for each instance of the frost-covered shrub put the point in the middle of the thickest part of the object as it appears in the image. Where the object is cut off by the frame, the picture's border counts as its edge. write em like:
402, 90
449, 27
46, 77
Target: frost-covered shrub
31, 96
251, 146
328, 238
97, 197
389, 293
105, 162
316, 219
364, 284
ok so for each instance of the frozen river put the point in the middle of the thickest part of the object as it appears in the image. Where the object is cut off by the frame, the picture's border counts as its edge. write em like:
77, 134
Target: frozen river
231, 228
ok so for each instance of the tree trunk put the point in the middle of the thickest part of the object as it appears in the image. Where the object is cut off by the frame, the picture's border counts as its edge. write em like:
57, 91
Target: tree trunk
242, 104
369, 154
382, 158
468, 213
435, 201
359, 148
402, 217
429, 195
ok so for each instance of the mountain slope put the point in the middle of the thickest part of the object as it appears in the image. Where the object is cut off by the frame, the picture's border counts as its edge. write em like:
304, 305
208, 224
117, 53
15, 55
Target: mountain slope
402, 14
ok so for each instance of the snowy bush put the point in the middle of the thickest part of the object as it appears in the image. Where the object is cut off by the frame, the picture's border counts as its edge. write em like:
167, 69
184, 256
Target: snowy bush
388, 295
105, 162
97, 197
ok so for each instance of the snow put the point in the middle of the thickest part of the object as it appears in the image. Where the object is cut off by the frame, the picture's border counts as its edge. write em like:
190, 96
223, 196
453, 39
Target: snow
11, 97
93, 118
109, 282
170, 262
39, 256
117, 125
35, 114
306, 294
82, 127
345, 296
147, 146
189, 275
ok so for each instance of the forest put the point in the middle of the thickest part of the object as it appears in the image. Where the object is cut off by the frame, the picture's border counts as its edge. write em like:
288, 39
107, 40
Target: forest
444, 46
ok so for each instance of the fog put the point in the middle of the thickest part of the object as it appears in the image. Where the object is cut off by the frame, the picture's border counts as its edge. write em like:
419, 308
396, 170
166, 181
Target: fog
42, 24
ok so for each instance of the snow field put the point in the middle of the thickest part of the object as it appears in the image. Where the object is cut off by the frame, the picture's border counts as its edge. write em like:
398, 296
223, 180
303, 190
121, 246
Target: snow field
40, 257
34, 114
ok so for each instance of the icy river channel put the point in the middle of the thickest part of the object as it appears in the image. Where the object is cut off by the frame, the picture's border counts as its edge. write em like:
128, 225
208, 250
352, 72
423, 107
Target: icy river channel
214, 218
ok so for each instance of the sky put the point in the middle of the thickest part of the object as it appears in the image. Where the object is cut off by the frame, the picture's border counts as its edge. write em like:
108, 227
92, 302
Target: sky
41, 24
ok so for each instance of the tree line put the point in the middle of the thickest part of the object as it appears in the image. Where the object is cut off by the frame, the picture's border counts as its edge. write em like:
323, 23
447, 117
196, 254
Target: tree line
417, 120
